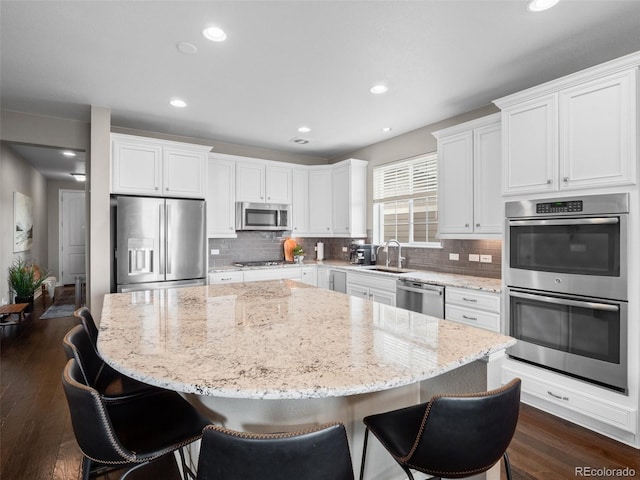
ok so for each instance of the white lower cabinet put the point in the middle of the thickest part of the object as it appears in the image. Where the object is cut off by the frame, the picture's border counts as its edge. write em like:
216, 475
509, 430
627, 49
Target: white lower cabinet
232, 276
290, 273
309, 275
369, 287
473, 307
606, 412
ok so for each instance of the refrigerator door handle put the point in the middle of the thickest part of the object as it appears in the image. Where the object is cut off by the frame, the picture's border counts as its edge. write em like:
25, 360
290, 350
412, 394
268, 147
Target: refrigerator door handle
168, 230
161, 237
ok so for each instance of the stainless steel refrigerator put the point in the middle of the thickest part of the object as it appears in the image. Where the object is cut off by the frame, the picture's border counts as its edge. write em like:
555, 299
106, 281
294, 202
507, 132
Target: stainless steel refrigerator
158, 242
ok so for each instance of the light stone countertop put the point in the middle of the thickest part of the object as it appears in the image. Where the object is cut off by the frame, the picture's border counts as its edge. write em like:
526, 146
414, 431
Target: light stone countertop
280, 340
493, 285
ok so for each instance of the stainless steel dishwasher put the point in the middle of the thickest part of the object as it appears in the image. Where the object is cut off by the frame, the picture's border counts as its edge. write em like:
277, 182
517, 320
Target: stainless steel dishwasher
420, 297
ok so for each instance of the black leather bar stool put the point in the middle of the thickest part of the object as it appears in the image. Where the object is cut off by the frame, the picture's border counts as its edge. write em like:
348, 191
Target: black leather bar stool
128, 434
452, 436
84, 315
320, 453
111, 384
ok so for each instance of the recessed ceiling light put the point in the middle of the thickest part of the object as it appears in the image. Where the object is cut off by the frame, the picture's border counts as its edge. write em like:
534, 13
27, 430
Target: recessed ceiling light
540, 5
299, 141
186, 48
215, 34
304, 129
68, 153
176, 102
80, 177
386, 129
379, 89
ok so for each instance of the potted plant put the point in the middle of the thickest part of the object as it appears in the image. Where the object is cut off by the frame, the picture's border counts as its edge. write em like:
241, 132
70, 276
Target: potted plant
298, 254
24, 278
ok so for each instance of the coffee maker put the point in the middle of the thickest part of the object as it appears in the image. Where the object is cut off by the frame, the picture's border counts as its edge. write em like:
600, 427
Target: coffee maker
365, 254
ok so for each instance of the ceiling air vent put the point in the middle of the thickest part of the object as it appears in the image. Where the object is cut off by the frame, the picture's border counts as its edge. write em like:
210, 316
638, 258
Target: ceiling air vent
299, 141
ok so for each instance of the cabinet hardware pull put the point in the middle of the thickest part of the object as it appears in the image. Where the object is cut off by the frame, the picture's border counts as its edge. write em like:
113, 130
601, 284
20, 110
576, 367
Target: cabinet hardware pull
466, 225
549, 182
565, 179
477, 224
467, 317
225, 279
559, 397
472, 300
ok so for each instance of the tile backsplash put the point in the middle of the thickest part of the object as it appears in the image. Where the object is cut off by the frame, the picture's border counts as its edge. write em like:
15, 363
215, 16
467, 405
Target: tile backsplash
255, 246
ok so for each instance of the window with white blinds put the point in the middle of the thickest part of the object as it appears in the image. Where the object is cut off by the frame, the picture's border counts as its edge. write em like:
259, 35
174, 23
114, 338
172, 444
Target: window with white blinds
405, 201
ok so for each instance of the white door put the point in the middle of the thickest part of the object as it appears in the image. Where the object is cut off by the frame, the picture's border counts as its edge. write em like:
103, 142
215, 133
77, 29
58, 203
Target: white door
72, 235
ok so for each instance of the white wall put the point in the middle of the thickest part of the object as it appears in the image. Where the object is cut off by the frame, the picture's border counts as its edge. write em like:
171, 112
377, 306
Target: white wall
16, 175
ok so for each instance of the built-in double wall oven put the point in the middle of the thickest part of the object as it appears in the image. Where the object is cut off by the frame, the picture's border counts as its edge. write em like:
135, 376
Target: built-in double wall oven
566, 278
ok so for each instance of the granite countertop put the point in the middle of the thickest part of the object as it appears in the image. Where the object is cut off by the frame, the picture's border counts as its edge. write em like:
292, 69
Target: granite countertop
493, 285
279, 339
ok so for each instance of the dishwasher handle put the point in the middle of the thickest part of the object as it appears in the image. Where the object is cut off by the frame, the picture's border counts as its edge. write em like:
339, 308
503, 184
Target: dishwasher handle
423, 288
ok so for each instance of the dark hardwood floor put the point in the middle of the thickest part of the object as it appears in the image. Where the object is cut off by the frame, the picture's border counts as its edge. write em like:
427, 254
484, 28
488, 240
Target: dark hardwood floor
37, 442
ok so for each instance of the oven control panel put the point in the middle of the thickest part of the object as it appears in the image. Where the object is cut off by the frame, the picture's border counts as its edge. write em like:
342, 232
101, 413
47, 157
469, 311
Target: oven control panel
559, 207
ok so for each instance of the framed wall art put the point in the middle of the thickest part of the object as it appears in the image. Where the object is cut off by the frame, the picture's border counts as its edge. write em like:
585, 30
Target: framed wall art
22, 222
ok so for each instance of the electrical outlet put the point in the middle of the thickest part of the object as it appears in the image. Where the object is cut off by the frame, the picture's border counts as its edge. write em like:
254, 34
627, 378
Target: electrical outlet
474, 257
345, 249
215, 251
485, 258
454, 256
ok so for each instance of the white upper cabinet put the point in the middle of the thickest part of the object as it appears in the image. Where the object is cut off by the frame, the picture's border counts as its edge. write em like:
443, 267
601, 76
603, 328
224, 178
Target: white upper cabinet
530, 146
221, 213
576, 132
469, 176
300, 201
338, 199
320, 193
349, 200
261, 182
598, 132
148, 166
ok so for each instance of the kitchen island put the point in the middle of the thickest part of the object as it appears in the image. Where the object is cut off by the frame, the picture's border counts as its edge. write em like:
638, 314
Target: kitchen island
280, 355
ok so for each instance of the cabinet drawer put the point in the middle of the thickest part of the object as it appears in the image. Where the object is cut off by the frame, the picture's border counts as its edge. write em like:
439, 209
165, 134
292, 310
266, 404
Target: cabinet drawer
225, 277
599, 409
473, 299
475, 318
292, 273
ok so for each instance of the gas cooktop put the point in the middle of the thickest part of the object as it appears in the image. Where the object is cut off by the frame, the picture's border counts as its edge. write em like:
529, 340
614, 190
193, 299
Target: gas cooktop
260, 263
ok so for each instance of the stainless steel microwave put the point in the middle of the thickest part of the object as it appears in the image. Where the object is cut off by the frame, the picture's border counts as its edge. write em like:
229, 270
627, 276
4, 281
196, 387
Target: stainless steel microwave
262, 216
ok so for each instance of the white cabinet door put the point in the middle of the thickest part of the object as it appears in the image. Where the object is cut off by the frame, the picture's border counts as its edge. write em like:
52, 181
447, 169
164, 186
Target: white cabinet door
323, 277
136, 166
320, 201
340, 216
184, 173
358, 291
488, 208
250, 182
225, 277
300, 201
278, 184
382, 296
221, 212
597, 132
530, 146
309, 275
455, 183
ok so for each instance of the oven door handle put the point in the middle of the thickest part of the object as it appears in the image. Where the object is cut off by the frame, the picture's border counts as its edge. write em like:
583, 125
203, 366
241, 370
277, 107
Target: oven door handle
565, 301
568, 221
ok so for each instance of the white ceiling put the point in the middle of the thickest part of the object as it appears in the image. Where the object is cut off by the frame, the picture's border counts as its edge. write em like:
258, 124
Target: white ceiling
292, 63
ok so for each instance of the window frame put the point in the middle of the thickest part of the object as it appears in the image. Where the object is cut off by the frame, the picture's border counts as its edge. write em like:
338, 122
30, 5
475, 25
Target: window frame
426, 191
